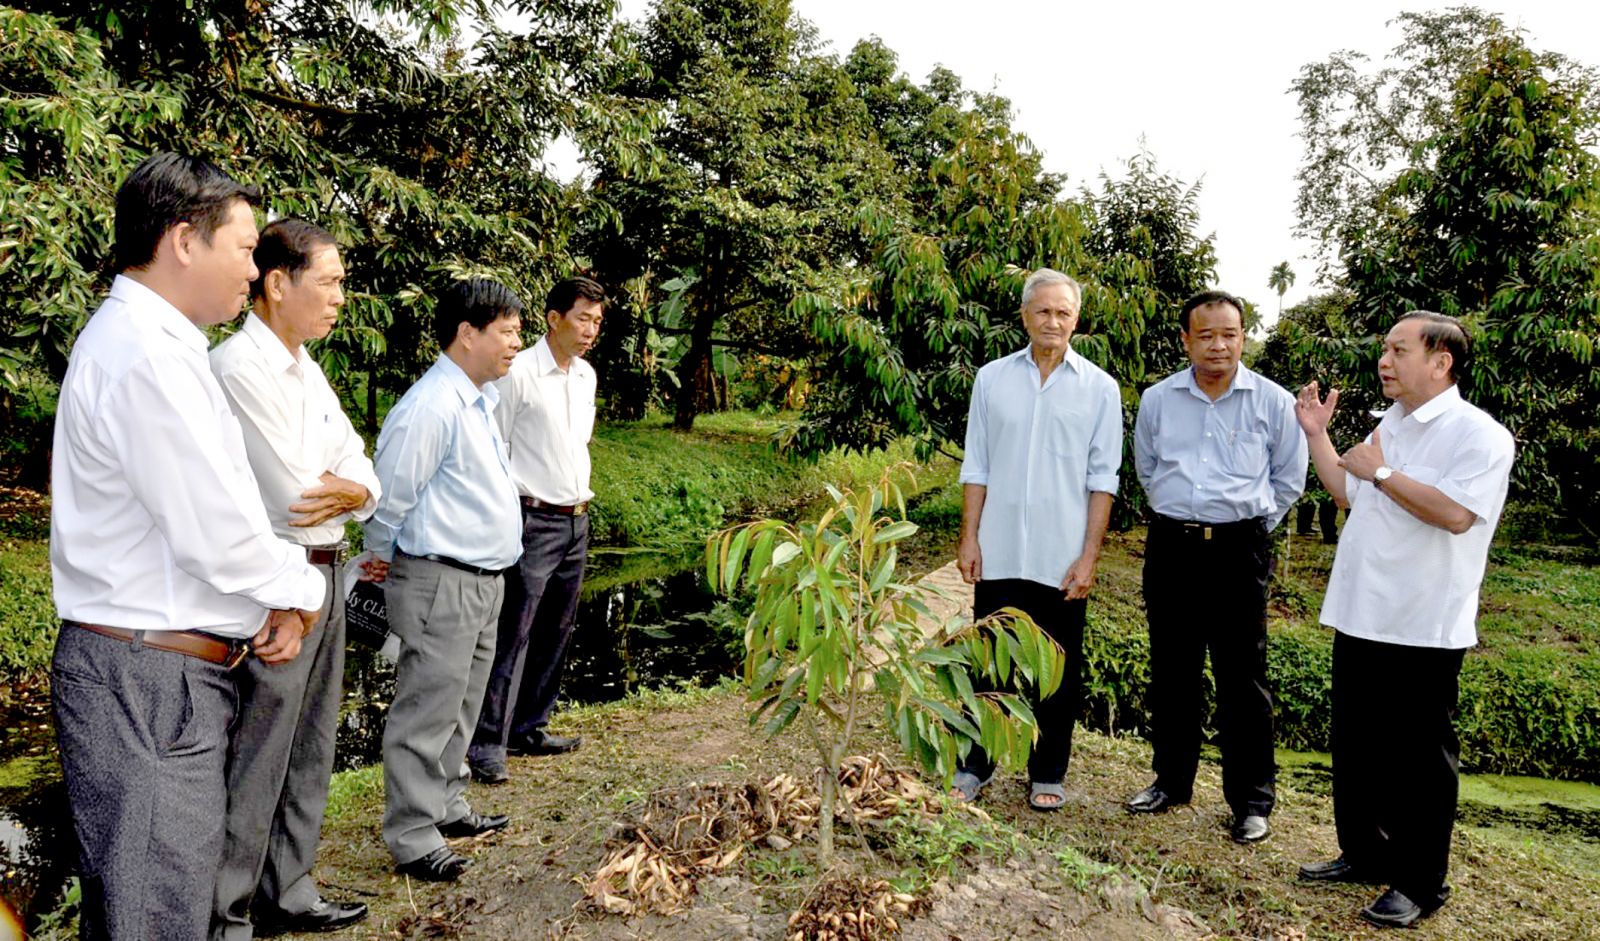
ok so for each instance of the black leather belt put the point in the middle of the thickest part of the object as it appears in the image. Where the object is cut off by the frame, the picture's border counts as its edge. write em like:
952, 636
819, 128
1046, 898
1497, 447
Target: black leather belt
576, 509
208, 647
456, 564
1194, 529
323, 555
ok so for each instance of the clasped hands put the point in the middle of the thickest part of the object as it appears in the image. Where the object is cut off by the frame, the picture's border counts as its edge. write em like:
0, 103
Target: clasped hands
320, 504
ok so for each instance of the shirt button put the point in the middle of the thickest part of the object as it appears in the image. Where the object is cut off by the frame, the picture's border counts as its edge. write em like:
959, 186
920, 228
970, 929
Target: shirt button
1208, 434
1203, 460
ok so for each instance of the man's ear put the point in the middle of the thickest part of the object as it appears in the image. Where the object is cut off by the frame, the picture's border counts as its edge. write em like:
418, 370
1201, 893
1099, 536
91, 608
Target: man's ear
1445, 360
272, 285
550, 318
180, 241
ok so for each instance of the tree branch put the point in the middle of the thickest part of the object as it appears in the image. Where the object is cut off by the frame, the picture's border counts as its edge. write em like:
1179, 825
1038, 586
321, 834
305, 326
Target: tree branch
300, 104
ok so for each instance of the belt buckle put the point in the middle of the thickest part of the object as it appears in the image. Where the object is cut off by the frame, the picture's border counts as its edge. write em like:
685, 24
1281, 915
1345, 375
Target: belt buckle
578, 509
1207, 531
240, 652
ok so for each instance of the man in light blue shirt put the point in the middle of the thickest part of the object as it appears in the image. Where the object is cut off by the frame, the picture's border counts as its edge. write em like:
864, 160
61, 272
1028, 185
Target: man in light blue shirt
1044, 441
1222, 458
445, 529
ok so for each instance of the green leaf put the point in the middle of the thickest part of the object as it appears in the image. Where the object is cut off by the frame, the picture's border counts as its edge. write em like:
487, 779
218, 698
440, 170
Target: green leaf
895, 532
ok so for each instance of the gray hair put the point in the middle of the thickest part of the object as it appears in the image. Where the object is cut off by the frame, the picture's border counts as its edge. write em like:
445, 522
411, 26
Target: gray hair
1044, 277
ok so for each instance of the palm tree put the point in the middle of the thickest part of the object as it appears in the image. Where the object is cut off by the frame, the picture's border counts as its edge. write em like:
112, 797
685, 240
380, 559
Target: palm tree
1281, 279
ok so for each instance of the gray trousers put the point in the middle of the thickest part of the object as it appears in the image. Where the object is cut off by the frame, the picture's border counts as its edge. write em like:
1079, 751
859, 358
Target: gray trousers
279, 762
445, 619
144, 744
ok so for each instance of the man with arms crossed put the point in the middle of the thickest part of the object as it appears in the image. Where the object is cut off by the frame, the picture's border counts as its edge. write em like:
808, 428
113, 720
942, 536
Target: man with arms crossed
445, 529
166, 572
1222, 459
313, 474
546, 414
1044, 441
1425, 493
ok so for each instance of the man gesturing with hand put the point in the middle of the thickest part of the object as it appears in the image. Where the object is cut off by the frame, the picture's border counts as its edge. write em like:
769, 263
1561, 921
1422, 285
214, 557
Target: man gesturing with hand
1425, 492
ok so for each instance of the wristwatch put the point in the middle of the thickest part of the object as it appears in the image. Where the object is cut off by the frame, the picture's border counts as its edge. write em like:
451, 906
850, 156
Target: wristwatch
1380, 475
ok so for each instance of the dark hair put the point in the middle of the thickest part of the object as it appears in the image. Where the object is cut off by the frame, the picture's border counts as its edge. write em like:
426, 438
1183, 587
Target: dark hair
565, 294
477, 302
164, 190
1443, 332
287, 245
1206, 299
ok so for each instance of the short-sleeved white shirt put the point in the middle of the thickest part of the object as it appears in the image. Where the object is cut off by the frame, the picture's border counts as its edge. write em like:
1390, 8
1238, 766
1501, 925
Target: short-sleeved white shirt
1397, 579
1040, 450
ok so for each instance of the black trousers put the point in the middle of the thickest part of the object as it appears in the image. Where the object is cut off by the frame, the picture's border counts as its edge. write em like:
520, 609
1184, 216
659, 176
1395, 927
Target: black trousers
534, 632
1063, 620
1205, 594
1395, 758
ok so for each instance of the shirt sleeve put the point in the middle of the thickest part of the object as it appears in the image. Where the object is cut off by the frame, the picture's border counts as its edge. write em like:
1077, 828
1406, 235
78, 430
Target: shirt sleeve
975, 460
350, 460
410, 451
1105, 447
279, 461
1145, 426
174, 452
1478, 476
1288, 460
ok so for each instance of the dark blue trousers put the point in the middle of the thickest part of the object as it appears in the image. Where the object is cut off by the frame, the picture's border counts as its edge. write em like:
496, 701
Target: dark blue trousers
534, 632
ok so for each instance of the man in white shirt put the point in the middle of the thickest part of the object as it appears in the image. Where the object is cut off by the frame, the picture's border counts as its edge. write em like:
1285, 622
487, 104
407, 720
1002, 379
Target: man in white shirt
166, 570
1044, 442
546, 414
1222, 459
314, 475
444, 533
1425, 492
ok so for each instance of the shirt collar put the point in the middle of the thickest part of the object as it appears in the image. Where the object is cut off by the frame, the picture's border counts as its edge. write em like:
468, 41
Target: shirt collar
278, 356
456, 378
544, 359
158, 310
1244, 379
1438, 405
1071, 359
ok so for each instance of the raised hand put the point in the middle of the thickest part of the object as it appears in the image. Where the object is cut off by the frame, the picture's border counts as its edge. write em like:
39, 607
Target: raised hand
1311, 411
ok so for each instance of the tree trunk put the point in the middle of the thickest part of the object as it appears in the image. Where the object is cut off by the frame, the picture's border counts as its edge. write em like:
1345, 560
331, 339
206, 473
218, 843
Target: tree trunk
830, 796
698, 358
372, 403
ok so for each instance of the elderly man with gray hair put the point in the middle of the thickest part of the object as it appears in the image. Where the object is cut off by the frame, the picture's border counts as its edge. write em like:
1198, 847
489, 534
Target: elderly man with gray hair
1044, 443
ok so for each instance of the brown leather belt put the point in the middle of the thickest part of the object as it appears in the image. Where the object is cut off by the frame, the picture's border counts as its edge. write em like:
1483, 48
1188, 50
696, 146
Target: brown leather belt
207, 647
322, 555
576, 509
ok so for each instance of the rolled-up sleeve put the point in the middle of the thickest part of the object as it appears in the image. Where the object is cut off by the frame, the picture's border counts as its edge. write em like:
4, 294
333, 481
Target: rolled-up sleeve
1290, 455
975, 462
1105, 447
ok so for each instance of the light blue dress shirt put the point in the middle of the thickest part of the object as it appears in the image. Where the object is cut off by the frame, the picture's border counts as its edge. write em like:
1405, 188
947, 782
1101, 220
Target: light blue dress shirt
1237, 458
1040, 450
446, 476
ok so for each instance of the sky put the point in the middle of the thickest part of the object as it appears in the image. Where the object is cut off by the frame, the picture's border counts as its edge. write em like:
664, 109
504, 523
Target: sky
1204, 86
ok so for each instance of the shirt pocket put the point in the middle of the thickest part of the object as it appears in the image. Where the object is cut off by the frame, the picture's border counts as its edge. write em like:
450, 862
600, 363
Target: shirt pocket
1066, 432
1244, 454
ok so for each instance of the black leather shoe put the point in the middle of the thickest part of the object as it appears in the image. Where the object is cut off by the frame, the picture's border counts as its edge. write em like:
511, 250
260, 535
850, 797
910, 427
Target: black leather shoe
1152, 800
1335, 870
1251, 828
489, 772
546, 744
1393, 910
473, 824
441, 865
324, 916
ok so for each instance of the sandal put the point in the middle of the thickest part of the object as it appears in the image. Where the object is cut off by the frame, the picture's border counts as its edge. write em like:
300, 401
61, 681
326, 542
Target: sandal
1040, 790
967, 786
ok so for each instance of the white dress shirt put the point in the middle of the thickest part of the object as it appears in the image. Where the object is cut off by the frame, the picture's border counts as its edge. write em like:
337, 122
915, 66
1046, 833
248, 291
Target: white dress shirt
1397, 579
546, 415
294, 428
155, 522
446, 479
1222, 461
1040, 451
